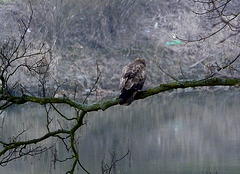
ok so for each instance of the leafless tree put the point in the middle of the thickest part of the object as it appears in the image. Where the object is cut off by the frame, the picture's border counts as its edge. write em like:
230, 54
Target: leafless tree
225, 14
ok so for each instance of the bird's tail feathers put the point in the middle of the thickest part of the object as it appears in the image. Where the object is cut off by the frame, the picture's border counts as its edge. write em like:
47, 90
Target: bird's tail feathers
127, 97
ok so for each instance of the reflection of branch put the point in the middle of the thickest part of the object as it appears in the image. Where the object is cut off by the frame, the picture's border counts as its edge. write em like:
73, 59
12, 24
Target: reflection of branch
49, 119
20, 133
107, 168
22, 151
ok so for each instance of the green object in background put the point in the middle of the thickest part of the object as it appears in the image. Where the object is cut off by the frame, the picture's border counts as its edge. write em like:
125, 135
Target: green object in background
175, 42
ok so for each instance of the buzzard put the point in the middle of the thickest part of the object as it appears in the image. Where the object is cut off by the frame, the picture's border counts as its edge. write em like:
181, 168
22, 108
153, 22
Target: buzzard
132, 80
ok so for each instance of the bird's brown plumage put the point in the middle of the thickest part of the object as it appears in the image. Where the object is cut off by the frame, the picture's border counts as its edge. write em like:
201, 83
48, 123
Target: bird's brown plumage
132, 80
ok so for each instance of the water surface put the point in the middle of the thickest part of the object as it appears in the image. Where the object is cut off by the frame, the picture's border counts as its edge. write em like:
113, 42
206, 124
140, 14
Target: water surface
188, 132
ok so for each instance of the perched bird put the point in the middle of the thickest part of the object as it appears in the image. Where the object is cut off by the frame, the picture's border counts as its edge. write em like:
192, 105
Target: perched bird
132, 80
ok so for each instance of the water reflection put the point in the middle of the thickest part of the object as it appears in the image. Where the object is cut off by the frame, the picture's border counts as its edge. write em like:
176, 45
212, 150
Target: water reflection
195, 132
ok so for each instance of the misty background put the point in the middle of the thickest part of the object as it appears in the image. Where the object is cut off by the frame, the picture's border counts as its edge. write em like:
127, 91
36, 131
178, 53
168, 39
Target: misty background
88, 37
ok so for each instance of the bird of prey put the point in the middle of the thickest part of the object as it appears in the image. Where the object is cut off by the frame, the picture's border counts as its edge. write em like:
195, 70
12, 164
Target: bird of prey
132, 80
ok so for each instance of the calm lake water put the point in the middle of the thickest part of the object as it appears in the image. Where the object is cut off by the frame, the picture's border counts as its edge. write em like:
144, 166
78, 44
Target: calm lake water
185, 133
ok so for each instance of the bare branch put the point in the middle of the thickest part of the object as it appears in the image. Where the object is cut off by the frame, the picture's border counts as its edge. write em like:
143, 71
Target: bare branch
95, 84
165, 71
214, 9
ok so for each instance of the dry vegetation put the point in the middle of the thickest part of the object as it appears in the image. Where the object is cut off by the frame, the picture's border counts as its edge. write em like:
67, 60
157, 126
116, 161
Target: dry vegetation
105, 35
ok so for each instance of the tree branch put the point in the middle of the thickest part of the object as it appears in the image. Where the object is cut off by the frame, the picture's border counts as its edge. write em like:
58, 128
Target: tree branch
12, 147
114, 101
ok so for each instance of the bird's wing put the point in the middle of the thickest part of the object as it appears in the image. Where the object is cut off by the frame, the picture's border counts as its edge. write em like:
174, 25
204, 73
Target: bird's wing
132, 75
124, 77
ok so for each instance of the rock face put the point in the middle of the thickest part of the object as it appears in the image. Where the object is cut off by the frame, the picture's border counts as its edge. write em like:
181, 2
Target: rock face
87, 43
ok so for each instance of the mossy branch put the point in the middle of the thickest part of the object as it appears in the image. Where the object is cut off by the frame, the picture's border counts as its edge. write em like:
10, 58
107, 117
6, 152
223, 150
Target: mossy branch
85, 108
114, 101
188, 84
